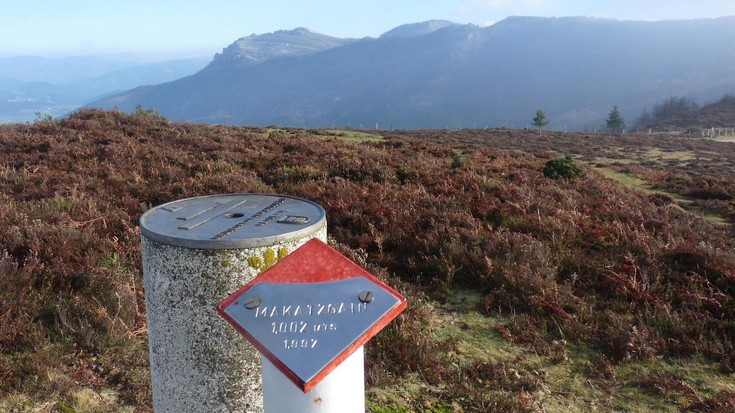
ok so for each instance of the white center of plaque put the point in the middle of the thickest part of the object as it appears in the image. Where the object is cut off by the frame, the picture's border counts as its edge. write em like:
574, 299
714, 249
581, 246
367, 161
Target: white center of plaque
306, 326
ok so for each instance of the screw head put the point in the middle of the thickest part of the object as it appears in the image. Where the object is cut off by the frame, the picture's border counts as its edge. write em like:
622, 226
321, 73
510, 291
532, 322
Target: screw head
366, 296
252, 302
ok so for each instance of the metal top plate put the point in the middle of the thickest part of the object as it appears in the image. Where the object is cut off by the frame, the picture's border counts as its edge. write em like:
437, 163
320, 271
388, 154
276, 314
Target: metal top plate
307, 326
232, 221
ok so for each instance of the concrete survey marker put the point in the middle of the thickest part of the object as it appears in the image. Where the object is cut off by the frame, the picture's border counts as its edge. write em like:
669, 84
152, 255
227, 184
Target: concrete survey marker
310, 311
196, 252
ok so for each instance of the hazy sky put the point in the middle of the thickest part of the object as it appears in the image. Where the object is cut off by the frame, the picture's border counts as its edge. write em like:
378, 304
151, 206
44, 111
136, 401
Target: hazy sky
188, 28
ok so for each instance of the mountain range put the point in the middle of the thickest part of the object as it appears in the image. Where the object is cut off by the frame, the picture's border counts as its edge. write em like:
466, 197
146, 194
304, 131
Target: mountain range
442, 74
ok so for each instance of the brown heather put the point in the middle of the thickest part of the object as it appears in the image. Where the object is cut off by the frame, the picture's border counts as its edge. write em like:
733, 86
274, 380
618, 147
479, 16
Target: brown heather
630, 275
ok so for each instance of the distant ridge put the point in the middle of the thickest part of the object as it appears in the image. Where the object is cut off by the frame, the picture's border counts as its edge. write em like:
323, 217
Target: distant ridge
441, 74
417, 29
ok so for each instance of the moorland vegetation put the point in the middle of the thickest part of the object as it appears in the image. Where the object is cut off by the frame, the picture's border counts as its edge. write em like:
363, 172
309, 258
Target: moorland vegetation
612, 288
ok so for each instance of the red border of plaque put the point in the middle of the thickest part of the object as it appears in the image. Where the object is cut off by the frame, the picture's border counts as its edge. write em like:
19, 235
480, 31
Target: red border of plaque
314, 262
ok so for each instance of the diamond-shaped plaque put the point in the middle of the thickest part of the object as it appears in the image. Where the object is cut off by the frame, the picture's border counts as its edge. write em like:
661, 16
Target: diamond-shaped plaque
311, 311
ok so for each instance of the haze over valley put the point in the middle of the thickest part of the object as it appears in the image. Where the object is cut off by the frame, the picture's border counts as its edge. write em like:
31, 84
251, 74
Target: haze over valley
34, 86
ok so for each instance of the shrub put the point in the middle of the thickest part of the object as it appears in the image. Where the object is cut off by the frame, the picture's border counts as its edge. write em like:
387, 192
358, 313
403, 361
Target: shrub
563, 168
149, 114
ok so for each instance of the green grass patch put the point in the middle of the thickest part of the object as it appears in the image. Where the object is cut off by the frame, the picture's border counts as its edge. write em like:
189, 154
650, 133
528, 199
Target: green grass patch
602, 160
660, 154
628, 181
346, 135
349, 135
640, 185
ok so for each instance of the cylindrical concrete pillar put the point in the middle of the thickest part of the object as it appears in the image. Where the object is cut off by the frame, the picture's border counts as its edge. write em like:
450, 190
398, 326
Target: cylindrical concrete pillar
196, 252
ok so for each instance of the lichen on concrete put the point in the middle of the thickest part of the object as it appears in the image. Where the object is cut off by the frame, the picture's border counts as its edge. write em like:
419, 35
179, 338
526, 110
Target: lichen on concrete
269, 257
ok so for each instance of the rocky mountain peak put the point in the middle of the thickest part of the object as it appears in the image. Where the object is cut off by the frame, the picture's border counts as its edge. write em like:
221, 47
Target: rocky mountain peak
256, 48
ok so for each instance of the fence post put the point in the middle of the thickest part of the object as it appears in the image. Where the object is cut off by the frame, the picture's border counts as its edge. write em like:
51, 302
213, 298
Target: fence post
196, 251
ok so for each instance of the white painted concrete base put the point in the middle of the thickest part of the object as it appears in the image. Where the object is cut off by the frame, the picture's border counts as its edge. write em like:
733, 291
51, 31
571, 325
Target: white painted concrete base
342, 391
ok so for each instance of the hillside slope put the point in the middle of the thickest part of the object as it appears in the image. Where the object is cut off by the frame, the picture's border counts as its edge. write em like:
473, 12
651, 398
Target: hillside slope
719, 114
449, 75
526, 293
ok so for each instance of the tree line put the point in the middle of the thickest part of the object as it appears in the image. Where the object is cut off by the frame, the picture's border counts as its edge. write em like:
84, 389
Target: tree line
667, 108
615, 121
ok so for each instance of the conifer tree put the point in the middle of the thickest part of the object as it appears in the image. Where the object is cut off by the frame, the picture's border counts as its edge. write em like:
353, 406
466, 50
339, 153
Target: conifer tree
540, 120
614, 120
